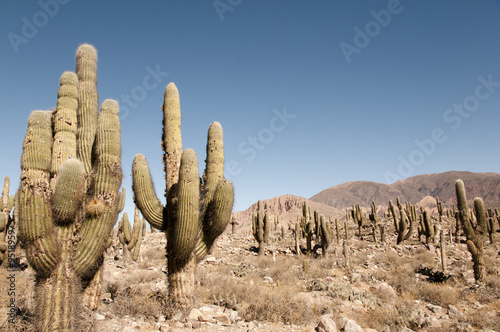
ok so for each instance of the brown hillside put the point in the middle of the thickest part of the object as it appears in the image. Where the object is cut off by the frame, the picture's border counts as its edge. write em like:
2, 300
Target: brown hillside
413, 190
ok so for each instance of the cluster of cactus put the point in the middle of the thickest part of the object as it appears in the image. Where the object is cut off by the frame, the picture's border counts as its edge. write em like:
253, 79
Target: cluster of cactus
69, 200
315, 227
260, 228
404, 226
6, 222
196, 212
439, 205
493, 217
131, 238
427, 228
358, 217
475, 234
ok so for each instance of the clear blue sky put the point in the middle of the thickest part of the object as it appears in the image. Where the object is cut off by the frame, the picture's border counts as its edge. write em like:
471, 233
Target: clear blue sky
310, 94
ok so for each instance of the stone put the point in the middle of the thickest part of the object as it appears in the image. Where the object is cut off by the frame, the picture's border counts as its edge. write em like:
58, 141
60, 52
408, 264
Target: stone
352, 326
194, 314
326, 324
224, 319
99, 317
454, 313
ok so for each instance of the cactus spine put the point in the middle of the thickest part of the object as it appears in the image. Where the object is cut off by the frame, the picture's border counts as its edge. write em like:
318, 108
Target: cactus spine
64, 240
196, 213
475, 236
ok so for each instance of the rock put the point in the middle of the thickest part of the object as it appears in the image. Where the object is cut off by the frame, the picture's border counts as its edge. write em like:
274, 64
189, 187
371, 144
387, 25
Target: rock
454, 313
385, 292
369, 330
352, 326
99, 317
205, 317
224, 319
326, 324
194, 314
355, 277
268, 280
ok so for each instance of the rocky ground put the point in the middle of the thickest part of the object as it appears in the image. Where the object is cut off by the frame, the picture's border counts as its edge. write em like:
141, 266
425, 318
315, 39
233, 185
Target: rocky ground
373, 287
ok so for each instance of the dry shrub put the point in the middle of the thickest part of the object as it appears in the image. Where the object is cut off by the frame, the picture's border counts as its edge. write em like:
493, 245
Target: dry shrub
128, 302
154, 254
402, 279
438, 294
255, 300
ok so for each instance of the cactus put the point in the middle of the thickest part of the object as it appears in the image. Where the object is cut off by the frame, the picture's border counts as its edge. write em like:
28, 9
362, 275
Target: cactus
131, 238
440, 209
233, 223
358, 217
404, 232
69, 193
307, 226
297, 237
196, 212
476, 236
428, 229
7, 241
491, 225
326, 235
260, 228
374, 220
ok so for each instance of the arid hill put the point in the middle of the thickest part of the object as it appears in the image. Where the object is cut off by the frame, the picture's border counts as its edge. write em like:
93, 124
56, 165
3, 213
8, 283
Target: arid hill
413, 190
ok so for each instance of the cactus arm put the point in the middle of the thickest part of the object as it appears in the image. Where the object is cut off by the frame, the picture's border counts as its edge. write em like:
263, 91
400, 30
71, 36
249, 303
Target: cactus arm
183, 234
216, 218
36, 229
144, 193
108, 177
88, 103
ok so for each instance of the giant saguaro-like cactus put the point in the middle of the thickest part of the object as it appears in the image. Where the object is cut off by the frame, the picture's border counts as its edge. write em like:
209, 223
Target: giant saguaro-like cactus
195, 213
69, 195
476, 236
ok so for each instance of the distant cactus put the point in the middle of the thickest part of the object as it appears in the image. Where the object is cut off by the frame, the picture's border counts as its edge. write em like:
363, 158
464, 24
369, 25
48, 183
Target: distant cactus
68, 197
196, 212
440, 209
297, 237
233, 223
131, 238
326, 235
428, 229
476, 236
358, 217
6, 221
260, 228
404, 230
374, 220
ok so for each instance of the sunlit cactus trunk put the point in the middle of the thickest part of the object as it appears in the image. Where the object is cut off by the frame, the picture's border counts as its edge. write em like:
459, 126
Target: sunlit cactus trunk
196, 212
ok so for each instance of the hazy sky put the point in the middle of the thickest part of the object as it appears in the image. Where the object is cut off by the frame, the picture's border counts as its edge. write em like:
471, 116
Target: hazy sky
310, 94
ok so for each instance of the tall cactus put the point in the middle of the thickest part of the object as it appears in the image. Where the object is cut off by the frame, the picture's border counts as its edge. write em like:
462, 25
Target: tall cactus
66, 209
326, 235
6, 221
196, 213
260, 228
374, 220
476, 236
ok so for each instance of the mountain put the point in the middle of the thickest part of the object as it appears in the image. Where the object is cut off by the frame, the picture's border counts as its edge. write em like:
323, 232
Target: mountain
420, 190
413, 190
287, 207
